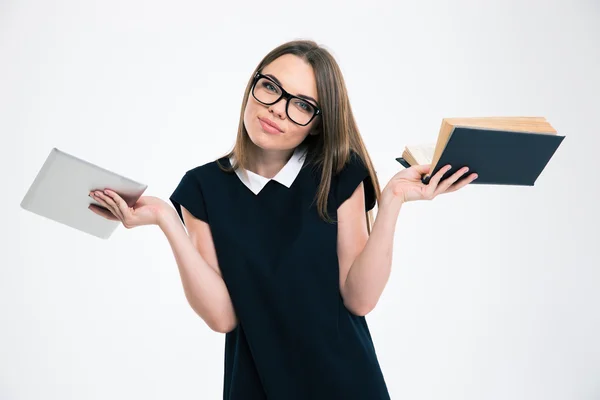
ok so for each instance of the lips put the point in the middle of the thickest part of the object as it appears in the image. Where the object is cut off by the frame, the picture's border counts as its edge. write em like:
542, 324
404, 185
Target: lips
270, 125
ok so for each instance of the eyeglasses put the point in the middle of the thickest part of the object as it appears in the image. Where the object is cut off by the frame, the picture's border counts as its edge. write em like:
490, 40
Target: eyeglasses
268, 92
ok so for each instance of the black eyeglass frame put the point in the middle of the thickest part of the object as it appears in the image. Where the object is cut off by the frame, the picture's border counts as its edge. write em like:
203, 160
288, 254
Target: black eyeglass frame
286, 95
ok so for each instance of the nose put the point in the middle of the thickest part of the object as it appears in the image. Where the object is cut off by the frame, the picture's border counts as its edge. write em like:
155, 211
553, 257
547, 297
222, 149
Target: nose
278, 108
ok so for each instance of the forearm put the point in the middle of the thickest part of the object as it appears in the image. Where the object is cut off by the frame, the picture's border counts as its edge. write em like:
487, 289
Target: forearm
204, 288
370, 271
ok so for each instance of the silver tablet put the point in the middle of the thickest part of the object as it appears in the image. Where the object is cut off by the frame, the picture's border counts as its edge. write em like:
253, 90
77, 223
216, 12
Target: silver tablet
60, 192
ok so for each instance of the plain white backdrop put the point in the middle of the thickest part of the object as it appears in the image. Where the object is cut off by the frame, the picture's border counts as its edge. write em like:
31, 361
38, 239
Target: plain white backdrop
494, 292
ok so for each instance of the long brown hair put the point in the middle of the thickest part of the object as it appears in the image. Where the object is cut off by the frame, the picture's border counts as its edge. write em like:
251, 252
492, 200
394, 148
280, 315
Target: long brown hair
338, 134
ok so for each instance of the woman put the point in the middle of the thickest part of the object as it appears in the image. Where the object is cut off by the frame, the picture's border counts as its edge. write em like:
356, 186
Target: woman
280, 253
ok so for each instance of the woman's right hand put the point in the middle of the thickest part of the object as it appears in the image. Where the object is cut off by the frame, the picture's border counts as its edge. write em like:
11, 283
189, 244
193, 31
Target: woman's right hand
146, 211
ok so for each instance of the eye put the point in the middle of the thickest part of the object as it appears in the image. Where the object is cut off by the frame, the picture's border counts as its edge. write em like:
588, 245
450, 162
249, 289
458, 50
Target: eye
303, 105
270, 86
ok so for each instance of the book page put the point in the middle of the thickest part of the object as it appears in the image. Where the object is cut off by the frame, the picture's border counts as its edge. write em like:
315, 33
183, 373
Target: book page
422, 153
515, 124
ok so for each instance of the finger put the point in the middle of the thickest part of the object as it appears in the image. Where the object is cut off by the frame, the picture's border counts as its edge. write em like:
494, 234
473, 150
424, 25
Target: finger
120, 203
113, 206
462, 183
103, 203
422, 169
94, 196
110, 204
118, 199
446, 183
103, 212
435, 179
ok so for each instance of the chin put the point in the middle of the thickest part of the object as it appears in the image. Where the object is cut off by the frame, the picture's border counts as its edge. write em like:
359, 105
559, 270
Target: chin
265, 141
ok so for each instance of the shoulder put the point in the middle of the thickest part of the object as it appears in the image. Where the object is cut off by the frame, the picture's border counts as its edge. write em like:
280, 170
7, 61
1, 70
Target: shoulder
208, 172
191, 191
353, 163
355, 171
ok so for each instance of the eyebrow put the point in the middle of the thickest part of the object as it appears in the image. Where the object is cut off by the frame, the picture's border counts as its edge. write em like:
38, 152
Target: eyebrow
299, 95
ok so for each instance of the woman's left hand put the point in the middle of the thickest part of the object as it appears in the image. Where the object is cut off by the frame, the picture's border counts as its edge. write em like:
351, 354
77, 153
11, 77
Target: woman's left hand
406, 185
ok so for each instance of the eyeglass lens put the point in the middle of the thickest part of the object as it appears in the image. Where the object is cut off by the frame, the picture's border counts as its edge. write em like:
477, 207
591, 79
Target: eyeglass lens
267, 92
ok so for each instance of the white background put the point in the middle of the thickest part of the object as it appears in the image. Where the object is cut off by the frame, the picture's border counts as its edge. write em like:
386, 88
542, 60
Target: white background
494, 292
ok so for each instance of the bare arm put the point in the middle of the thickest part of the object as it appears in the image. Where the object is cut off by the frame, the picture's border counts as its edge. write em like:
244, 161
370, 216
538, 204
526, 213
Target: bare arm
196, 259
365, 261
195, 253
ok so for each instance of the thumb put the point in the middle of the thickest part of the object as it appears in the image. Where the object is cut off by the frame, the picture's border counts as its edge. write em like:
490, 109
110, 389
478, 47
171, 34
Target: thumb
422, 169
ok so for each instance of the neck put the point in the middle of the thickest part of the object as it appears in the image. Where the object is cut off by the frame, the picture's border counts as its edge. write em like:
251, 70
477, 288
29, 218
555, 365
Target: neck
268, 163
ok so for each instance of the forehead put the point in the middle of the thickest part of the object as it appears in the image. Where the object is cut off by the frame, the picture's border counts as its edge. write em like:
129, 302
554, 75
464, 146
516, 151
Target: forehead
295, 74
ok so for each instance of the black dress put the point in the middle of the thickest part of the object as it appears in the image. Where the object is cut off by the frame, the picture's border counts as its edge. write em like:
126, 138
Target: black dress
295, 339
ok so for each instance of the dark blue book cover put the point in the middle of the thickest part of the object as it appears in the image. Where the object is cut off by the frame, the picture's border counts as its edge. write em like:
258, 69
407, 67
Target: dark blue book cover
498, 157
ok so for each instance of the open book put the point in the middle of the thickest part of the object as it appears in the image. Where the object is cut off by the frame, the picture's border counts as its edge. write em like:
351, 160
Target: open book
501, 150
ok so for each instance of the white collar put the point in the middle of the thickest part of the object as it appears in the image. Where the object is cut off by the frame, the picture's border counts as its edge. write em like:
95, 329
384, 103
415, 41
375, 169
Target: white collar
285, 176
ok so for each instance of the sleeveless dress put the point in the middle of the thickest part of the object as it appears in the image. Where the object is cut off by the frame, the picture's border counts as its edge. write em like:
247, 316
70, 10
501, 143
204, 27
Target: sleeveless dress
295, 339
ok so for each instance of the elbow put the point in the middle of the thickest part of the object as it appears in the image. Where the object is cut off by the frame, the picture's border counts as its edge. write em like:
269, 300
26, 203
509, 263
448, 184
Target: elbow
222, 323
224, 326
357, 305
360, 308
363, 310
219, 318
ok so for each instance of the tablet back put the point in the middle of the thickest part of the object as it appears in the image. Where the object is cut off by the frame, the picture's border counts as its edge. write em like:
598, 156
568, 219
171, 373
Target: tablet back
60, 192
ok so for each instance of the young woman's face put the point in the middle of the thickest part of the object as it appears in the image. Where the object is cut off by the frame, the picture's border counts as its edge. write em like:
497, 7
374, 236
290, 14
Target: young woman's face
296, 77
